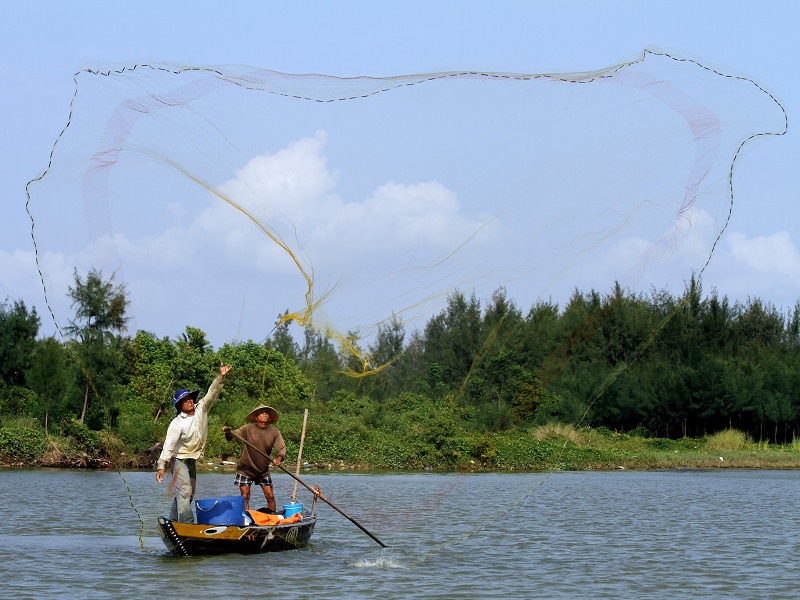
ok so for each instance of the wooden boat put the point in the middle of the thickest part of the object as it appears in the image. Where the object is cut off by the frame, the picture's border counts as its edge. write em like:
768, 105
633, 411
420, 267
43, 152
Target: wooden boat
191, 539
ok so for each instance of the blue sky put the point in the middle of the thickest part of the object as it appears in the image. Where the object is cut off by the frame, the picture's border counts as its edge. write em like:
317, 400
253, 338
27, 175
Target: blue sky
45, 43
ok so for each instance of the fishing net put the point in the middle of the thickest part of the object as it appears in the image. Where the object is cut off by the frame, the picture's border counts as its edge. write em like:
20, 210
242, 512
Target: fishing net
223, 196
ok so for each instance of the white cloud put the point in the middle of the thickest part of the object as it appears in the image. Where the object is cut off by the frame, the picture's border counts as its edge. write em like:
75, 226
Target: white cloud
774, 254
291, 180
19, 277
399, 216
293, 193
19, 280
15, 267
666, 259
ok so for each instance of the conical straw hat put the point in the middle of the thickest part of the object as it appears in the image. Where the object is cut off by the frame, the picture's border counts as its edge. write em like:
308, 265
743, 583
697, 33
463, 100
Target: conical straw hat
273, 414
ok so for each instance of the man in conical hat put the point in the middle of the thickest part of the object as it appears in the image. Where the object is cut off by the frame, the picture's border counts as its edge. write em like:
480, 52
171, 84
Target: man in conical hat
253, 467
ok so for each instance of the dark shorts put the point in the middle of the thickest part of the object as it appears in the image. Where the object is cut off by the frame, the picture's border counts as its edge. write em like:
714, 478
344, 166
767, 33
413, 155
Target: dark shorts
265, 480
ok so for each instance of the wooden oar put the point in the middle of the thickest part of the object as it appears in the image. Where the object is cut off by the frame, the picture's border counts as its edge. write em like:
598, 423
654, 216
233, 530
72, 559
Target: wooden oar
314, 491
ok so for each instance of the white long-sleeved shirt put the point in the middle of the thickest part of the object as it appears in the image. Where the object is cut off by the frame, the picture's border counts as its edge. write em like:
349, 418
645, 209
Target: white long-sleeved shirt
187, 434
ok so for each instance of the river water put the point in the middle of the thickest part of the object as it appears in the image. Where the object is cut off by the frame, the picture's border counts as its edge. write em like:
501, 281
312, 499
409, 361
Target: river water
621, 534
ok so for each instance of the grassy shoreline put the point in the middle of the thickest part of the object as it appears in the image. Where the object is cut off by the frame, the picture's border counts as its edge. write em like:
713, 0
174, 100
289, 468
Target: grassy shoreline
770, 460
548, 448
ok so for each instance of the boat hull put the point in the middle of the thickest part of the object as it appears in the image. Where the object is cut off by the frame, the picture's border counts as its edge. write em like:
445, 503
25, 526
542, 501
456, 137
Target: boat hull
190, 539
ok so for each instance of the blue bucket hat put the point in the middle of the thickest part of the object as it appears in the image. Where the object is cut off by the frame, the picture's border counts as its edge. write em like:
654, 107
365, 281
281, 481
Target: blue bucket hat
181, 395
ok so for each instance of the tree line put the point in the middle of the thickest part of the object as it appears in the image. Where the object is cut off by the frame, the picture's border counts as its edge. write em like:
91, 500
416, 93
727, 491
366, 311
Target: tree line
655, 364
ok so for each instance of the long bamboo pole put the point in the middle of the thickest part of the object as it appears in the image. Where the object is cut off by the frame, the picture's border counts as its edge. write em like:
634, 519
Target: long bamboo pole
300, 455
314, 491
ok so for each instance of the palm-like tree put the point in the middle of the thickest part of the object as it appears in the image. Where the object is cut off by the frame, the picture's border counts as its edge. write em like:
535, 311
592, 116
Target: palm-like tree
100, 308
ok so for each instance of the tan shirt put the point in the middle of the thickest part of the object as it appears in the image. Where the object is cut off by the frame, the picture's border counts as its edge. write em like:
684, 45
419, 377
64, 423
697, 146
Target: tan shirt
251, 463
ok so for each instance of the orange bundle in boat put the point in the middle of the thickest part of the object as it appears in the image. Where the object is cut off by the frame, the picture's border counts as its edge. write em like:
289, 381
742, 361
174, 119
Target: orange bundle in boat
260, 518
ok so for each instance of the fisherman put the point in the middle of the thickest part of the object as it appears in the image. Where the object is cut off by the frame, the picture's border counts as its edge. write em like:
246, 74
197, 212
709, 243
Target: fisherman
253, 466
185, 442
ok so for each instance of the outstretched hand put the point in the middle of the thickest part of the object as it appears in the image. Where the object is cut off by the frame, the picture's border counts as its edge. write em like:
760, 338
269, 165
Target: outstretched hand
224, 369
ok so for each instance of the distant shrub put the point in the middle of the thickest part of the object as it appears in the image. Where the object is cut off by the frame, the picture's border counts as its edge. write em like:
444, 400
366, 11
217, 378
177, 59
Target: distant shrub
22, 441
18, 401
86, 439
137, 429
640, 431
558, 432
517, 452
604, 431
729, 439
661, 444
110, 444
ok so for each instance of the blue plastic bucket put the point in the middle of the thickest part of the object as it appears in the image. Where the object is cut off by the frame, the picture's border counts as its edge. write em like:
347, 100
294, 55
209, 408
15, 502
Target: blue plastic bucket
292, 509
228, 510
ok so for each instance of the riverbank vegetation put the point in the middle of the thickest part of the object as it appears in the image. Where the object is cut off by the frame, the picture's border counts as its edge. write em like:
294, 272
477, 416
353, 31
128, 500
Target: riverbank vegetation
606, 382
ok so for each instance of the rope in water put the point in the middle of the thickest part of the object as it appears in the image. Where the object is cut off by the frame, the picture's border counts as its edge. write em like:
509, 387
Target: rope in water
133, 506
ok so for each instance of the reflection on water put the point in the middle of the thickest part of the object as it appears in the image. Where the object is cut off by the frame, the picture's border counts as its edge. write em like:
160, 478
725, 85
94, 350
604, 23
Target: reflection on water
700, 534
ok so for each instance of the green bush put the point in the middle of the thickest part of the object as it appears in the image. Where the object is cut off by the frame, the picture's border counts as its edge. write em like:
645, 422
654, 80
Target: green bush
604, 431
640, 431
518, 452
663, 444
87, 440
19, 401
730, 439
22, 442
137, 429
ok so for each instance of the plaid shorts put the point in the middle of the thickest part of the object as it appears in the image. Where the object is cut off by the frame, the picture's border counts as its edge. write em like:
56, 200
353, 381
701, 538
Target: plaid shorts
264, 480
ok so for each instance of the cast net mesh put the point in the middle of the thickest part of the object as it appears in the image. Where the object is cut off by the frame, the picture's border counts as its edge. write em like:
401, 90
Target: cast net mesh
223, 196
